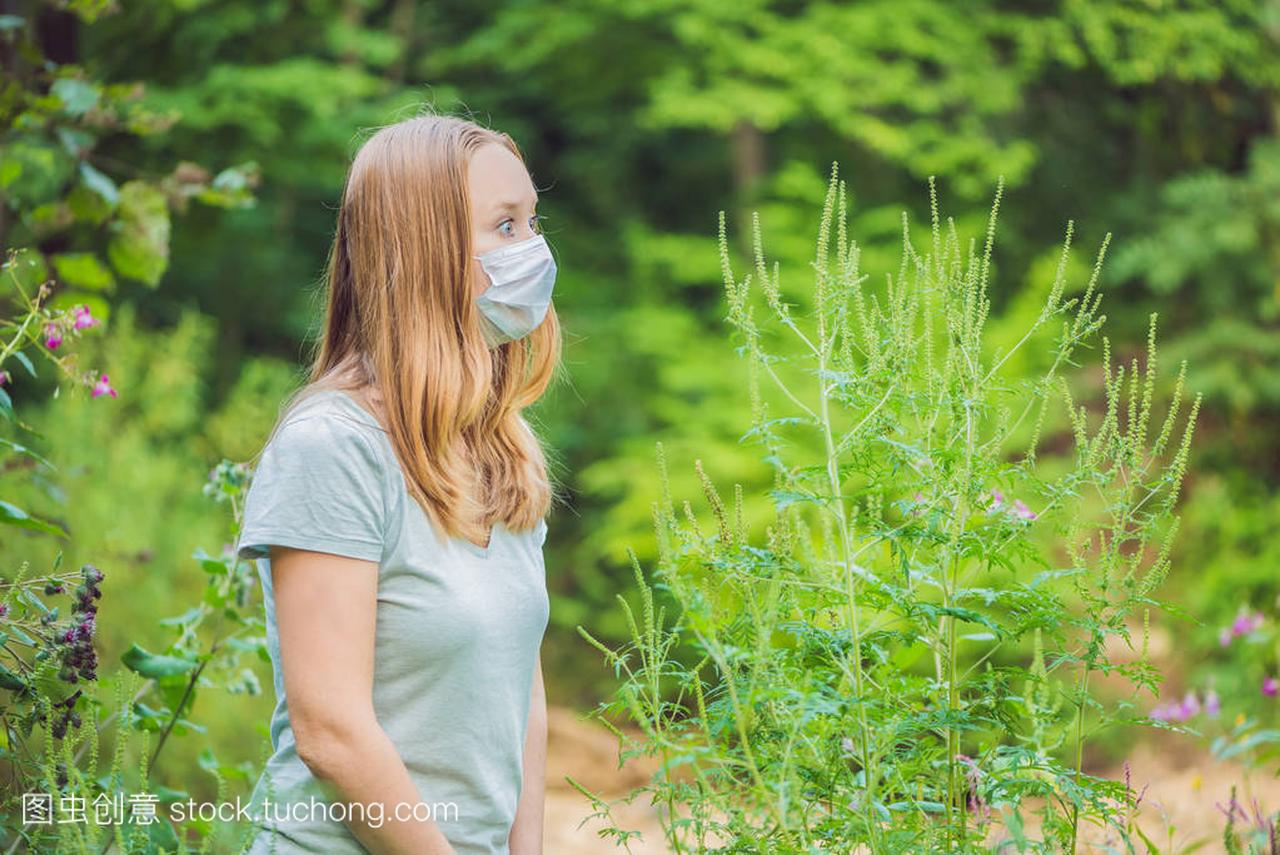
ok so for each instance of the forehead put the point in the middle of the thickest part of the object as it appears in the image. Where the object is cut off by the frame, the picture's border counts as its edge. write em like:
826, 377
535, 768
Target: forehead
496, 178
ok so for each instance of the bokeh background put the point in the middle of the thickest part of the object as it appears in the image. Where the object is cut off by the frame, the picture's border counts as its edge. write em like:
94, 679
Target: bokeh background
1154, 121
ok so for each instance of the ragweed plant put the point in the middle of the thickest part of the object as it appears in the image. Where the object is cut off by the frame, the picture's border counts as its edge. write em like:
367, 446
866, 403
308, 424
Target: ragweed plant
904, 662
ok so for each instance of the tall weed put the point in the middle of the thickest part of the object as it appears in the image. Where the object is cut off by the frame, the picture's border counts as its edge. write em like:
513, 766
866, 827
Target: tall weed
905, 661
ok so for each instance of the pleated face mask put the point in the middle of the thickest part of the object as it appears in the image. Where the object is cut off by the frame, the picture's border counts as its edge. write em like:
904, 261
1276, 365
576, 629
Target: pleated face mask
521, 278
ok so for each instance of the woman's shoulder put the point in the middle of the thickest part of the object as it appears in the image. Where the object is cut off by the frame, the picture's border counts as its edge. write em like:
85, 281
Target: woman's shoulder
328, 414
322, 430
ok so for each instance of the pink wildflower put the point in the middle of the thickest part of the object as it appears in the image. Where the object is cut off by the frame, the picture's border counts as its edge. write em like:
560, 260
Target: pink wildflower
102, 387
4, 377
997, 499
53, 335
1022, 510
1270, 687
84, 319
1212, 704
1187, 708
1246, 623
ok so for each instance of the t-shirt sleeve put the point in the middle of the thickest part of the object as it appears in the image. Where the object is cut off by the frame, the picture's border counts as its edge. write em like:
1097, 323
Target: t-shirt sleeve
318, 485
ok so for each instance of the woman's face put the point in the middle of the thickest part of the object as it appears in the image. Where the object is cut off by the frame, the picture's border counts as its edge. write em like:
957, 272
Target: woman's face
503, 202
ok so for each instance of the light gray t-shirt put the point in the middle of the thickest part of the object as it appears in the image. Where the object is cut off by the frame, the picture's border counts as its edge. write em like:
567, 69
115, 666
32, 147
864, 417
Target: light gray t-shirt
458, 631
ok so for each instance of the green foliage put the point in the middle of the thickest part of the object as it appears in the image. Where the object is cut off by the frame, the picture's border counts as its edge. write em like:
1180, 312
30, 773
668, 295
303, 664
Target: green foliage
862, 675
53, 119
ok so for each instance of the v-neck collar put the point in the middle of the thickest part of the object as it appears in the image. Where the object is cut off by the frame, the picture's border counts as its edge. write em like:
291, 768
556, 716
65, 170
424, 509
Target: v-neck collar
478, 550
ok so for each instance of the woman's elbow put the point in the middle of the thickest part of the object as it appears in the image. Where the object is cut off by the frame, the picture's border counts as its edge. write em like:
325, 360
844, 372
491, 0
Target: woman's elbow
327, 741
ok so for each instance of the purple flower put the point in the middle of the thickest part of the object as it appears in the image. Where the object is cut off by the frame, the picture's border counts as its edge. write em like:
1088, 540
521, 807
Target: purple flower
4, 377
53, 335
83, 318
1019, 508
1022, 510
1244, 624
1270, 686
102, 387
1189, 707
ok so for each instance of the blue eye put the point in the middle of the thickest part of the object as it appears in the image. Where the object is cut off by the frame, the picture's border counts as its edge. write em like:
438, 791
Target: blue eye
507, 226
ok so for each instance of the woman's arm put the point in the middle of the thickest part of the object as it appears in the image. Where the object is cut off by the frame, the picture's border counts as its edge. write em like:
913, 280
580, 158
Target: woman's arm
526, 831
326, 613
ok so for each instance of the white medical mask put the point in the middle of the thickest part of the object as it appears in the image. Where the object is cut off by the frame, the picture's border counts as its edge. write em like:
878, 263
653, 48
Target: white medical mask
521, 280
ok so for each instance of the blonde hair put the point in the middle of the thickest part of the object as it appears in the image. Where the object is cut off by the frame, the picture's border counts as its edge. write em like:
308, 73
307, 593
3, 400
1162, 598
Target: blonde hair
400, 321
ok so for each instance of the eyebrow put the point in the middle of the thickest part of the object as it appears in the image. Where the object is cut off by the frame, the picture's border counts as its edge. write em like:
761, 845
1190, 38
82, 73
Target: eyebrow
511, 205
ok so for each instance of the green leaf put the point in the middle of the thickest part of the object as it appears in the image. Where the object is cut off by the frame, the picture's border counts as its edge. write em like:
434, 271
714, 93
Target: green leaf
22, 449
155, 665
148, 718
139, 247
33, 172
232, 187
77, 96
26, 362
21, 636
16, 516
75, 142
87, 206
10, 680
100, 184
168, 794
83, 270
183, 619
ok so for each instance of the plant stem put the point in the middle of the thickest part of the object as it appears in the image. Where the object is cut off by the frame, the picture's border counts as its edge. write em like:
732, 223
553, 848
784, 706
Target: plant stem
1075, 808
852, 614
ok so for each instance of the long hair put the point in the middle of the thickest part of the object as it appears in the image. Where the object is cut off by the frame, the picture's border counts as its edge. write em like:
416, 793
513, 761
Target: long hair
400, 323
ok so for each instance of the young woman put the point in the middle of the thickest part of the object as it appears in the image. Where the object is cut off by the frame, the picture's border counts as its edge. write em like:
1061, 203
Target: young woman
397, 516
